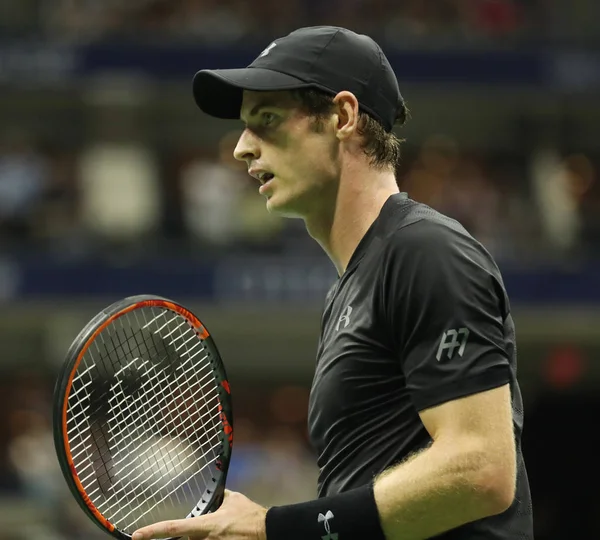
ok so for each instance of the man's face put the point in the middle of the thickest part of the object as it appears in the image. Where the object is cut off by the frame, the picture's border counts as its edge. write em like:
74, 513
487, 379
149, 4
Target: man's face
296, 164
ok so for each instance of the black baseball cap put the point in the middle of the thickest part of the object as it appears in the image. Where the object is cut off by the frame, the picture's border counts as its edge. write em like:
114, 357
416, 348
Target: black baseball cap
328, 58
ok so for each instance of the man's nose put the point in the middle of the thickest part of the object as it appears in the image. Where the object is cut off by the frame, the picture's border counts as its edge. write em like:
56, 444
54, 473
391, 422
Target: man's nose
247, 148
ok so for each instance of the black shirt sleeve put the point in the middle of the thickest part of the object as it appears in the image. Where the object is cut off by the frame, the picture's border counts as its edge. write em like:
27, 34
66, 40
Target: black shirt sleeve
445, 306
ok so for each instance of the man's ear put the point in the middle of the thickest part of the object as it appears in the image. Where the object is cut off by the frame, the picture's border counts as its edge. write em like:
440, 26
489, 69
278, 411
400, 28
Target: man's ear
346, 114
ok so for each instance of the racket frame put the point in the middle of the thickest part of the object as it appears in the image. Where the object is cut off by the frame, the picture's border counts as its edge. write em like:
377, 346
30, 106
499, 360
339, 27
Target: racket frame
212, 497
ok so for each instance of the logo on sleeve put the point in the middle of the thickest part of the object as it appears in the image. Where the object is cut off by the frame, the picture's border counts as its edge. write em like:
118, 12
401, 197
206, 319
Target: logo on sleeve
325, 520
452, 340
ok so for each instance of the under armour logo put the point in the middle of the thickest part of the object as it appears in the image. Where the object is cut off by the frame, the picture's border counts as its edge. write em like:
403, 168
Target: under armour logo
325, 520
345, 318
267, 50
450, 341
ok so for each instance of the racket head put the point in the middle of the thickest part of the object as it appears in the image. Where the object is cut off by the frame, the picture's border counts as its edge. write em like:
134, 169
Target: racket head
114, 375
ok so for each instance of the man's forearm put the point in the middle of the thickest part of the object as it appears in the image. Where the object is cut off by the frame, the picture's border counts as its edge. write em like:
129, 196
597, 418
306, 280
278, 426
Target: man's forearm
437, 490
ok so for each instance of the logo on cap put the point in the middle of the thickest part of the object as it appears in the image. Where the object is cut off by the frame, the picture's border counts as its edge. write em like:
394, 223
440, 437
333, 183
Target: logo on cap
267, 50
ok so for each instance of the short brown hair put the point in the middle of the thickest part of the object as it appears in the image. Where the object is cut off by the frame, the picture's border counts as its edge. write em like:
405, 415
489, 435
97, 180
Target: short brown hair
382, 148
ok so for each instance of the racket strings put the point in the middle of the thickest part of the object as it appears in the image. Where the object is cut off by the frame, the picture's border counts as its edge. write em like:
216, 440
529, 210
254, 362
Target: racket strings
143, 417
155, 454
120, 454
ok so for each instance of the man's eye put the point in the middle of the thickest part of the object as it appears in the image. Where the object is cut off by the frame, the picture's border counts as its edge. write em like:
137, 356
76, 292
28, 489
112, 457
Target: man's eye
268, 118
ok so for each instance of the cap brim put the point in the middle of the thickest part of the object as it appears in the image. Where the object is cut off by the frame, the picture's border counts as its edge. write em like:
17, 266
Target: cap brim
219, 92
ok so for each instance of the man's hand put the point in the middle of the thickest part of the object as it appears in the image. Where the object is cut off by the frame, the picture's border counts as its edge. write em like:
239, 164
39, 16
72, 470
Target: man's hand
238, 518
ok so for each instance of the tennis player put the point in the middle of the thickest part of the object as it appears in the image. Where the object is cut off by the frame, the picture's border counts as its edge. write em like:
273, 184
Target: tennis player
415, 410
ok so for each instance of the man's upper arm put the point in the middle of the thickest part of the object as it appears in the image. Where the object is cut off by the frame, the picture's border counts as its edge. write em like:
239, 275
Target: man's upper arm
480, 426
447, 309
485, 416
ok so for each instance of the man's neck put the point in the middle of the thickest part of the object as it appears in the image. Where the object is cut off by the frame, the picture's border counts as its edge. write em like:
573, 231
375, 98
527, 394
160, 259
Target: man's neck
358, 203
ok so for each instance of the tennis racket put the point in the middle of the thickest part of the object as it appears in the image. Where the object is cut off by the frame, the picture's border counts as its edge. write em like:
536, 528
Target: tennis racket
142, 416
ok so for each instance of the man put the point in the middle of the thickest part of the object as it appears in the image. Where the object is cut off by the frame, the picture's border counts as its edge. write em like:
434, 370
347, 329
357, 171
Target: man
415, 410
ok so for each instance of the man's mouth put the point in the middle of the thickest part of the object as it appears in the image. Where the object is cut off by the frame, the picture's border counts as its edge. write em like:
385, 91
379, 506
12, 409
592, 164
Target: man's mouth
264, 177
265, 183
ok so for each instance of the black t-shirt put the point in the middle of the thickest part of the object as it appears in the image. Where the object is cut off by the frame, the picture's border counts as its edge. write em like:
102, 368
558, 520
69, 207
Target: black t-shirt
420, 317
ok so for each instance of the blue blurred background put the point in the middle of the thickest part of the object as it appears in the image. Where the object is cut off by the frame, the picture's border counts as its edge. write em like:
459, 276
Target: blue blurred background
112, 183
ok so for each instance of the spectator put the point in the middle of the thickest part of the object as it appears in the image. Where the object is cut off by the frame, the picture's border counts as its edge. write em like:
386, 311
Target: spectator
24, 181
211, 193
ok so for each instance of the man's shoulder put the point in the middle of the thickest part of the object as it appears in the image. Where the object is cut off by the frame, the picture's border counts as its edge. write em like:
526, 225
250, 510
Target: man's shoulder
424, 225
425, 232
426, 246
433, 258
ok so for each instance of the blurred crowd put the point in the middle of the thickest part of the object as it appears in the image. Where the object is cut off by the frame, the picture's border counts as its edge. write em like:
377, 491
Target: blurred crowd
127, 196
229, 21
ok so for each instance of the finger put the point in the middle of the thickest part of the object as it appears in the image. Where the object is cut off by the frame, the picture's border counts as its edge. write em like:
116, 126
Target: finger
196, 527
